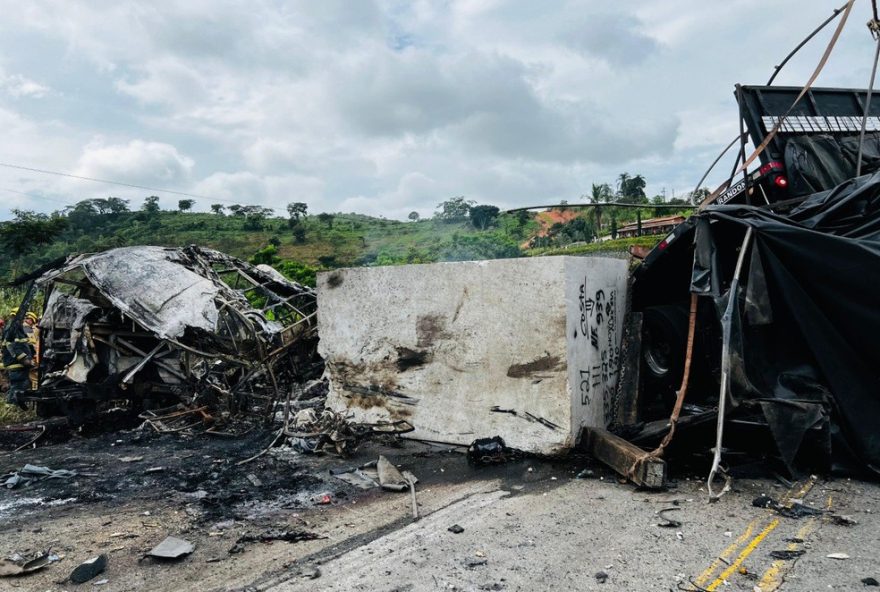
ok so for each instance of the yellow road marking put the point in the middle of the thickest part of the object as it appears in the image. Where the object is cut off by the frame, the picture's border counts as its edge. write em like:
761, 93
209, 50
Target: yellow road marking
744, 555
722, 558
771, 580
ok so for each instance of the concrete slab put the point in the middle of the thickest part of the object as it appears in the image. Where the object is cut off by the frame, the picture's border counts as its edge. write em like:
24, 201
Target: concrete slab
526, 349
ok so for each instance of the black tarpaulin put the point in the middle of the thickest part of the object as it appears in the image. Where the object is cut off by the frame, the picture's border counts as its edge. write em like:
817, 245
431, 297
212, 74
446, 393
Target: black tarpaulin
821, 161
810, 333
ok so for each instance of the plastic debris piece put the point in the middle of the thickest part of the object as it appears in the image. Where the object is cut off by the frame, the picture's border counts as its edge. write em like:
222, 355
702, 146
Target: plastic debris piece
87, 570
870, 582
786, 555
601, 577
389, 477
839, 556
455, 529
171, 548
31, 473
357, 478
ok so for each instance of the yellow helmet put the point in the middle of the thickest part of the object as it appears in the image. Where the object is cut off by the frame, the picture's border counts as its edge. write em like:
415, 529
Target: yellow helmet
14, 311
32, 316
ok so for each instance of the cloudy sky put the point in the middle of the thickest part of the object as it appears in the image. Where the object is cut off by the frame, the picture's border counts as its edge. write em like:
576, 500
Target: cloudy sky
384, 107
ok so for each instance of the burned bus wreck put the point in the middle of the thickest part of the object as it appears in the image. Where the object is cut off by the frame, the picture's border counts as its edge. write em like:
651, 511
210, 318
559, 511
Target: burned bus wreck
151, 327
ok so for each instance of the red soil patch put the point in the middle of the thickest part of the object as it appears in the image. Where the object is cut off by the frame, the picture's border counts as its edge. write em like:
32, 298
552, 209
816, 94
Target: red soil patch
549, 218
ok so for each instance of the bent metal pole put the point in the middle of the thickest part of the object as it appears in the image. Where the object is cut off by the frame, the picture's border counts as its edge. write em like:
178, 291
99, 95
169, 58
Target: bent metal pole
726, 320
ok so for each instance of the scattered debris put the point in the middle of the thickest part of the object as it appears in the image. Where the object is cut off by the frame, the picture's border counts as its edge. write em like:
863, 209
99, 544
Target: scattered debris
870, 582
355, 476
9, 567
130, 459
31, 473
411, 480
87, 570
601, 577
786, 555
455, 529
843, 519
668, 522
309, 572
389, 477
171, 548
290, 536
488, 451
586, 474
840, 556
795, 510
322, 430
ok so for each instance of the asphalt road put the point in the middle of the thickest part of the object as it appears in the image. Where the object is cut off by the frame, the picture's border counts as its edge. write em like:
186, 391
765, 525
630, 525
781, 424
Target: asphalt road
526, 525
565, 534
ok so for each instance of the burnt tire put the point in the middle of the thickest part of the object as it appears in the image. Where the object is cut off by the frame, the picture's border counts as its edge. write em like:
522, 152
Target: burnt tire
664, 341
47, 409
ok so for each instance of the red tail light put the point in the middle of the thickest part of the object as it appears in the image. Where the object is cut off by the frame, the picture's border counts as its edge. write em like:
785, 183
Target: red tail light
662, 244
781, 182
770, 166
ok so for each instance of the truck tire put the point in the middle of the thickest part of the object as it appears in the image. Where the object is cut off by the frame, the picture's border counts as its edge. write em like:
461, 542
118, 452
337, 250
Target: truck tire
664, 341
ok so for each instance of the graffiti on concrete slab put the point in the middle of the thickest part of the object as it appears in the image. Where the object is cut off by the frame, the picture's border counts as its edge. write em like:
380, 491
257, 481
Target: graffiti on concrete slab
599, 322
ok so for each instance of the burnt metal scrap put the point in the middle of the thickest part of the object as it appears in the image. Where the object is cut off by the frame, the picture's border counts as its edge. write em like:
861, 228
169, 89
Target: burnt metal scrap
161, 327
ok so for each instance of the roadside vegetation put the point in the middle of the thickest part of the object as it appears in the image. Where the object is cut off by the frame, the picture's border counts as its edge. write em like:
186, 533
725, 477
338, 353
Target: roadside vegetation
614, 246
300, 243
10, 414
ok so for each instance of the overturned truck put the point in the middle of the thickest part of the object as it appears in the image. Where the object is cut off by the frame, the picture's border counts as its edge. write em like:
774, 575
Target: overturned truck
765, 300
151, 327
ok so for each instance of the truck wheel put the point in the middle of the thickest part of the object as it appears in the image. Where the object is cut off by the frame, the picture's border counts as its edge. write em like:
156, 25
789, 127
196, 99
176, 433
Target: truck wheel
664, 340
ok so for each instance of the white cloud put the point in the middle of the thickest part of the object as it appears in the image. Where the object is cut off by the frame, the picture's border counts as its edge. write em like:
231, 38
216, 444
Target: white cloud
273, 191
388, 106
136, 162
17, 87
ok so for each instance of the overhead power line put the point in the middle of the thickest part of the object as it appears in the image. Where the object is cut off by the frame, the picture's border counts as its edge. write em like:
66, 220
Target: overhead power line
607, 204
34, 195
109, 182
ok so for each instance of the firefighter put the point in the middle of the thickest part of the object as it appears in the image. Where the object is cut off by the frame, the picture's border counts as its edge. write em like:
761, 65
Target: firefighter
32, 330
18, 359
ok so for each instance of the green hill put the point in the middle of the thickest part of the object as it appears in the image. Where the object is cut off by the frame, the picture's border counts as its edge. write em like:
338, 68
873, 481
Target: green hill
298, 247
325, 241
